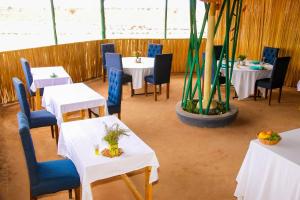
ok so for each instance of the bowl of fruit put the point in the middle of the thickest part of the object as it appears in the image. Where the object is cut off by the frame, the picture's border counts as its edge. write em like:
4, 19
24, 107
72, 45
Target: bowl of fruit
268, 137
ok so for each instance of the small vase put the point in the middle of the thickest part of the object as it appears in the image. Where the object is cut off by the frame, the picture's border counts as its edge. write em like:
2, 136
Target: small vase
114, 149
138, 60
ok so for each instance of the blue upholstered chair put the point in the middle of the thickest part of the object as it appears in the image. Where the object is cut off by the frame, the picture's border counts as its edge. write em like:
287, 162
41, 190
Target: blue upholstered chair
29, 79
154, 49
40, 118
161, 73
277, 78
106, 48
46, 177
114, 60
270, 54
114, 93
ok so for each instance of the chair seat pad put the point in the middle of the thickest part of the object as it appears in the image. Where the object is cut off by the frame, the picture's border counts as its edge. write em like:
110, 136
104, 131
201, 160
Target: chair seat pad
54, 176
126, 78
149, 79
112, 108
42, 118
265, 83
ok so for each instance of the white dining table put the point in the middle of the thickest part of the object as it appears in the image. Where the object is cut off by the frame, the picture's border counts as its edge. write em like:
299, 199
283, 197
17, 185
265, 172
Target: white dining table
271, 172
138, 70
77, 140
43, 77
62, 99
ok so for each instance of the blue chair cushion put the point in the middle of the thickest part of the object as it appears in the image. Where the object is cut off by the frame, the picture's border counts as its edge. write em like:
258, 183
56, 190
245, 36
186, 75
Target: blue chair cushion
42, 118
54, 176
113, 108
149, 79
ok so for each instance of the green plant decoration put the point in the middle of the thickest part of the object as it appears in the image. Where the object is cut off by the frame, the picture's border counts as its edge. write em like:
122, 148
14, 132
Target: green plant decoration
113, 134
242, 57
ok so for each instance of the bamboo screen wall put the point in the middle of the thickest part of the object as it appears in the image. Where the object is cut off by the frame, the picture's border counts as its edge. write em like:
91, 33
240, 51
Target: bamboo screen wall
81, 60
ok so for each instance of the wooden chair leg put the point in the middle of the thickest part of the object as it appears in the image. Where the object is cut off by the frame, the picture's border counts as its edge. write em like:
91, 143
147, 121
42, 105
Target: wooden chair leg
90, 113
266, 93
159, 88
131, 87
255, 92
168, 90
77, 193
56, 133
70, 193
279, 97
146, 88
270, 97
52, 131
155, 94
119, 115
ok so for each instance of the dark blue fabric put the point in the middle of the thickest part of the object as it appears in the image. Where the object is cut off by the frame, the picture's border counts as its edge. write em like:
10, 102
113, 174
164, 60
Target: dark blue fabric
54, 176
278, 74
162, 69
106, 48
114, 91
45, 177
42, 118
28, 75
154, 49
21, 94
28, 148
270, 54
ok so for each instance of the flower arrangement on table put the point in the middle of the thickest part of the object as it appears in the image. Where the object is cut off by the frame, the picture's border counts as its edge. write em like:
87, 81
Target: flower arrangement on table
137, 54
268, 137
113, 134
242, 59
53, 75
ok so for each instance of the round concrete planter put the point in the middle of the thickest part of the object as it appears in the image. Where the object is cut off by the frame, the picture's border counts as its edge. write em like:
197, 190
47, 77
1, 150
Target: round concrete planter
210, 121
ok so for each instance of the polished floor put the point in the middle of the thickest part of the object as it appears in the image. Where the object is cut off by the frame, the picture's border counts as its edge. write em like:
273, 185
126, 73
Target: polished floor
195, 163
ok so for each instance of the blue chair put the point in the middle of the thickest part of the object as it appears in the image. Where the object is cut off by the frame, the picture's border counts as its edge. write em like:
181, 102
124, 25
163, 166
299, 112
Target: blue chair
29, 79
270, 54
40, 118
114, 93
154, 49
46, 177
277, 78
106, 48
161, 73
114, 60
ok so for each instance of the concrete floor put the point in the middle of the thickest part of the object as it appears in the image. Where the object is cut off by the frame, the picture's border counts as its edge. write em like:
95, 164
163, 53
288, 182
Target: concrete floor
195, 163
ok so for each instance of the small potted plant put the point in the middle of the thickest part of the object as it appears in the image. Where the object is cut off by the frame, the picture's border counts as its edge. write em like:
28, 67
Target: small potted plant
242, 59
138, 56
113, 134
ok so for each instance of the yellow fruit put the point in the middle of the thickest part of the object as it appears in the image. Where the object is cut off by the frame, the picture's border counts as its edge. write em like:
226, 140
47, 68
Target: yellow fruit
263, 135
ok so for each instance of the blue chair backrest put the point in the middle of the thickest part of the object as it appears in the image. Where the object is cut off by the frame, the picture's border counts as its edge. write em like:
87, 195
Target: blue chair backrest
28, 148
217, 51
154, 49
27, 73
21, 94
115, 86
162, 68
114, 60
279, 71
270, 54
106, 48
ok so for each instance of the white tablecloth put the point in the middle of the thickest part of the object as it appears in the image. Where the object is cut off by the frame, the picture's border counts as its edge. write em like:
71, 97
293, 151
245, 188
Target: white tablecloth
42, 77
138, 70
61, 99
243, 78
271, 172
77, 140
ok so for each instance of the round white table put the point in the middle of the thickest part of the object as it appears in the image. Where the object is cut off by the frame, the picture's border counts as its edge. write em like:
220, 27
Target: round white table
244, 78
138, 70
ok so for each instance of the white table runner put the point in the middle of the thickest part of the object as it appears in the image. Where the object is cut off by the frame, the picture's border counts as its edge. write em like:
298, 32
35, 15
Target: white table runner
271, 172
61, 99
138, 70
77, 140
42, 77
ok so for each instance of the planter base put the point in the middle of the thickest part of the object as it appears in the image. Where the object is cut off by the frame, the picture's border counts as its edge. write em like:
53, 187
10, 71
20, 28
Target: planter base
210, 121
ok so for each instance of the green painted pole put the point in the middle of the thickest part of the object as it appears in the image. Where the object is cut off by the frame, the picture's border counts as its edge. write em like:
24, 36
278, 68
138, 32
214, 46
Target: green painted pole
227, 93
166, 19
102, 19
53, 21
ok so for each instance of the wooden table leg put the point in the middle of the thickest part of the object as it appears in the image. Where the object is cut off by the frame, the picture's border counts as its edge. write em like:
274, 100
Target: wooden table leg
148, 186
65, 117
82, 114
101, 111
38, 99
